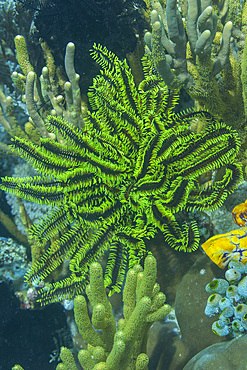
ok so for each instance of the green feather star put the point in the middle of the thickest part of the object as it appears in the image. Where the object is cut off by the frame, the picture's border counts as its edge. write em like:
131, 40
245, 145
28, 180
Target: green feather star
126, 175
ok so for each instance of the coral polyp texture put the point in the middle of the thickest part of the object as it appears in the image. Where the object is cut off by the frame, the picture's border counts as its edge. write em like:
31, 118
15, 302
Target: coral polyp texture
126, 175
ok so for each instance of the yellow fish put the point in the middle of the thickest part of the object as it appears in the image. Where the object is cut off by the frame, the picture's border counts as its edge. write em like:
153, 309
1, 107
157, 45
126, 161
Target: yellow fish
223, 248
239, 214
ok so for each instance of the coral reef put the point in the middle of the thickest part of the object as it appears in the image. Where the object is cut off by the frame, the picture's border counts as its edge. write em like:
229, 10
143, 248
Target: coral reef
210, 66
200, 46
123, 166
126, 175
125, 347
42, 97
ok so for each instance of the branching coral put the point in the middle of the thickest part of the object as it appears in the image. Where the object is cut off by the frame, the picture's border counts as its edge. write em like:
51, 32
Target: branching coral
42, 97
45, 92
126, 347
208, 65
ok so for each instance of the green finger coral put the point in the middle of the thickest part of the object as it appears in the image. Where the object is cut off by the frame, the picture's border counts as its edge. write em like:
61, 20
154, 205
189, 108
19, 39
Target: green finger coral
126, 175
124, 347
